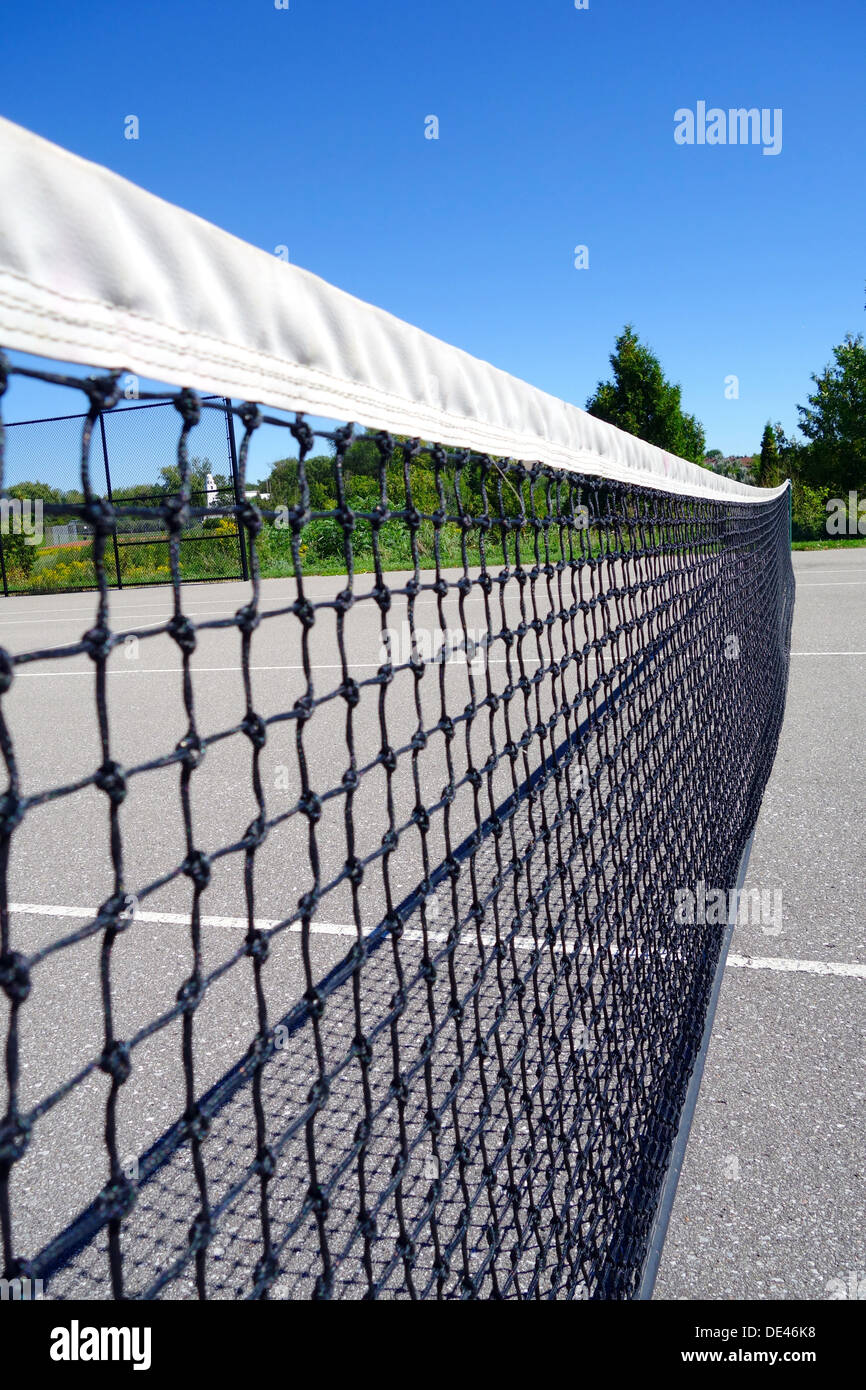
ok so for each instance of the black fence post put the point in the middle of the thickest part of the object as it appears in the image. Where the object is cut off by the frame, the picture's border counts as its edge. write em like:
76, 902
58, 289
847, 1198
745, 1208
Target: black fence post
3, 566
236, 483
110, 499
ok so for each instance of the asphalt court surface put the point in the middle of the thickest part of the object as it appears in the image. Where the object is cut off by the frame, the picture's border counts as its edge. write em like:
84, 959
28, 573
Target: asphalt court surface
771, 1203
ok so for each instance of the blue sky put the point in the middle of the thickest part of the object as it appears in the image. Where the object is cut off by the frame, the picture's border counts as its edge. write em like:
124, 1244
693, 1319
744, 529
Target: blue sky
305, 127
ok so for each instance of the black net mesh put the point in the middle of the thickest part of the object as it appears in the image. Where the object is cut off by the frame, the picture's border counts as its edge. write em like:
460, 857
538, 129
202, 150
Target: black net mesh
520, 709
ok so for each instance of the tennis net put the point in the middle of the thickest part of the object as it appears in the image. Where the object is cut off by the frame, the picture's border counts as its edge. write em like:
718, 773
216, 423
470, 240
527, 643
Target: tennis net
513, 712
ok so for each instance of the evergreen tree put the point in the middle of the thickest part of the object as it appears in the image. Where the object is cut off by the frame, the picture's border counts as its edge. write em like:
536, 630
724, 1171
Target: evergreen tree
767, 474
641, 401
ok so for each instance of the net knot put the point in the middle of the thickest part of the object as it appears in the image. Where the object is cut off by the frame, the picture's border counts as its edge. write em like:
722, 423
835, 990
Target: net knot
98, 642
197, 1123
399, 1090
14, 1137
363, 1050
118, 911
350, 779
316, 1005
344, 600
354, 870
350, 692
254, 727
100, 514
250, 416
15, 976
257, 947
250, 518
319, 1092
188, 406
111, 779
304, 611
192, 750
301, 431
7, 670
266, 1163
200, 1232
310, 806
11, 812
197, 867
367, 1224
382, 595
176, 512
357, 953
183, 632
255, 834
248, 618
116, 1061
190, 993
265, 1272
103, 392
406, 1247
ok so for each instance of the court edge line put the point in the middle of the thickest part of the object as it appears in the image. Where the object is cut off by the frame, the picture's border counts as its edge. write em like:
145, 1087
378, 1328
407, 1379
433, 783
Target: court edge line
315, 666
780, 964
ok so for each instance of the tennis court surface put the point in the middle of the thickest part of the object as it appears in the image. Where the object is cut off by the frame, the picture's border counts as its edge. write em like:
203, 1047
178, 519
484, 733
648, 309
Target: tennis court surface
339, 947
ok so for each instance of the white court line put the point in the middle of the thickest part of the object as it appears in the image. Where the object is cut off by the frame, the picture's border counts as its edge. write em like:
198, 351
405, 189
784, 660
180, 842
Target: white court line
522, 943
314, 666
181, 919
224, 609
808, 967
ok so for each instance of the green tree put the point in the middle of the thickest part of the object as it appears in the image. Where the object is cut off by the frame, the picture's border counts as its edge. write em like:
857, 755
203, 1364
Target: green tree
23, 525
198, 471
641, 401
767, 474
834, 421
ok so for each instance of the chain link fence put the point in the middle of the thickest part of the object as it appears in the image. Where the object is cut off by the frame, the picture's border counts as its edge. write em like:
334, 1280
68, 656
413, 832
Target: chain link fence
132, 463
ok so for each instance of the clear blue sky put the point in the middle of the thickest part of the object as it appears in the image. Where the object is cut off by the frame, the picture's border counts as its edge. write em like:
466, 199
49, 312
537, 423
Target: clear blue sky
306, 127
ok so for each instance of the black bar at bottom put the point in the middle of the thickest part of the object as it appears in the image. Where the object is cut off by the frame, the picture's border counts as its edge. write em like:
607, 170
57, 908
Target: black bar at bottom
672, 1176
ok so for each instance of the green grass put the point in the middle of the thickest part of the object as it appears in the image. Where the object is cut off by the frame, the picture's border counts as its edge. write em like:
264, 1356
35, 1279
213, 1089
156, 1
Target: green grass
834, 543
